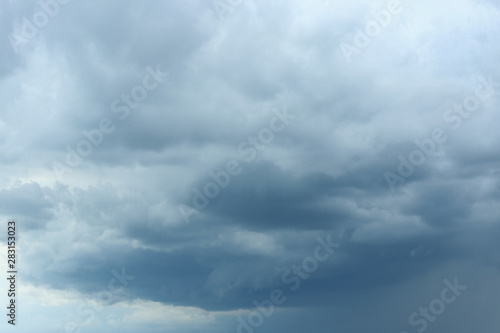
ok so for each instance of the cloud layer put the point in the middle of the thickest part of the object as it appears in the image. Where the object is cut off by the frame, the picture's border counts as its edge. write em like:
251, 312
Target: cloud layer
195, 151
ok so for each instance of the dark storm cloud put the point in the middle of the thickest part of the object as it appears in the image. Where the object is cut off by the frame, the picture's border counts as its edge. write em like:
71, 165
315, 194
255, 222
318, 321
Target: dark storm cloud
322, 175
28, 202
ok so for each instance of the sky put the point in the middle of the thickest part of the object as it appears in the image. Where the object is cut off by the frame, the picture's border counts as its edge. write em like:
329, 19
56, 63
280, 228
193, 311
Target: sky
240, 166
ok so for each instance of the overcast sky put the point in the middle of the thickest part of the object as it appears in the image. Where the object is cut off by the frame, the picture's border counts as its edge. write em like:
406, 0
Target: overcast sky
173, 164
